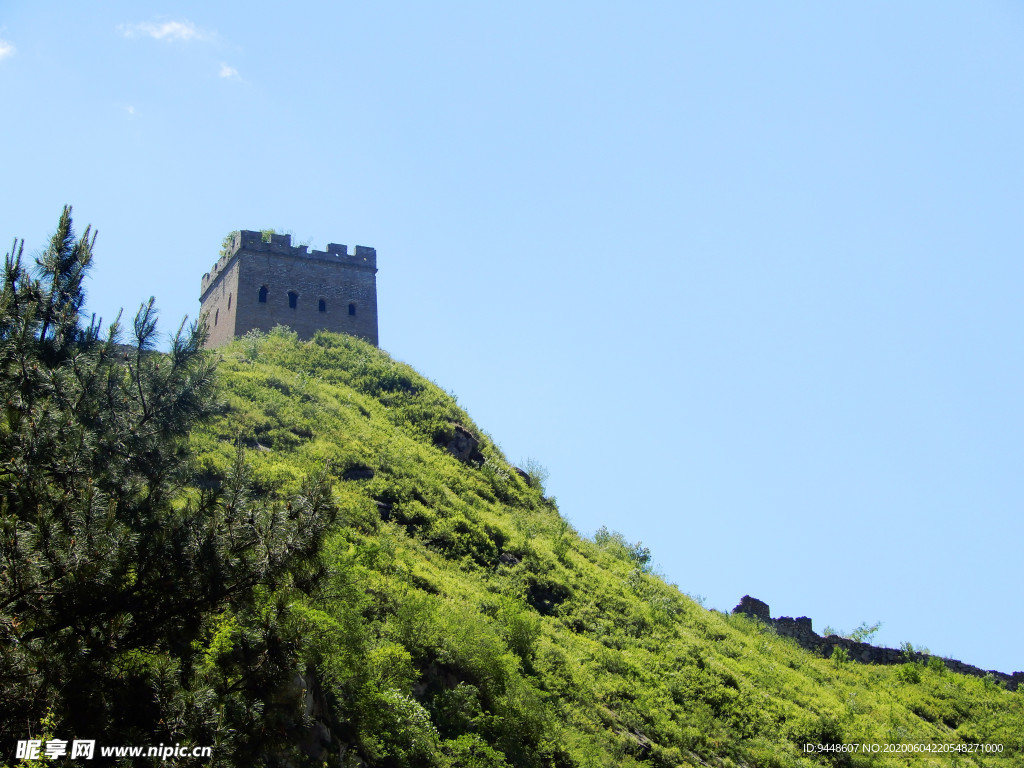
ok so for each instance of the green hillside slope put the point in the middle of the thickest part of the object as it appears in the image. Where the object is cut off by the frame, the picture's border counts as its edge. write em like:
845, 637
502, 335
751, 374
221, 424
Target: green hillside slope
467, 624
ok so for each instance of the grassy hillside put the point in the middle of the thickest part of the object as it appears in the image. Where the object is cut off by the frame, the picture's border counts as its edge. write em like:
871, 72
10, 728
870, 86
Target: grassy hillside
467, 624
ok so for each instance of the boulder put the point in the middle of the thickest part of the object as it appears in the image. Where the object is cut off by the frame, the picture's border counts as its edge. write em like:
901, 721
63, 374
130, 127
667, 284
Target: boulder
358, 473
463, 445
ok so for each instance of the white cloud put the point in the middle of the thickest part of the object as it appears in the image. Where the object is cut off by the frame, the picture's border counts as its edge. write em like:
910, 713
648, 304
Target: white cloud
165, 30
226, 71
130, 110
6, 49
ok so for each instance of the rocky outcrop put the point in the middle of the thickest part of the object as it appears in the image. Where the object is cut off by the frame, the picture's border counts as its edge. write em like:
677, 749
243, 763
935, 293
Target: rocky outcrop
313, 731
801, 630
358, 472
463, 445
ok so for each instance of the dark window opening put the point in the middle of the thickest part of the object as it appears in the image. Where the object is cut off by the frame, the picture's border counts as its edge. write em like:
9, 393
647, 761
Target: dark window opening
216, 316
229, 301
263, 295
352, 309
322, 306
293, 299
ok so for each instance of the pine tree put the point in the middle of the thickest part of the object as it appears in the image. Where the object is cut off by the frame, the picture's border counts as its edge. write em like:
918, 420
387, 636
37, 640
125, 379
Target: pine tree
134, 608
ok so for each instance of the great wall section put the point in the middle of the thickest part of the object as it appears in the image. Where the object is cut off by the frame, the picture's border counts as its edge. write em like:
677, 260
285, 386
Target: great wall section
800, 629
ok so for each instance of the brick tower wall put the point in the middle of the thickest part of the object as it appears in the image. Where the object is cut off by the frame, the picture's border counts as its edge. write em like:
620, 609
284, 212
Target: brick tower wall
220, 305
230, 292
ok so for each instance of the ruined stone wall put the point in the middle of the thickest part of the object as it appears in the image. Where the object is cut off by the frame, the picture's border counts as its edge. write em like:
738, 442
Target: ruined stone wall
331, 290
800, 629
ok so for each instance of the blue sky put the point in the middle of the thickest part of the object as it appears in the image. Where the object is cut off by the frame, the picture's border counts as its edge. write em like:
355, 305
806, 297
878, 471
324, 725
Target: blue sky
746, 279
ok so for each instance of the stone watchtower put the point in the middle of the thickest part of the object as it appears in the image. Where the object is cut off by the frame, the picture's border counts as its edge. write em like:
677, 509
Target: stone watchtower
258, 285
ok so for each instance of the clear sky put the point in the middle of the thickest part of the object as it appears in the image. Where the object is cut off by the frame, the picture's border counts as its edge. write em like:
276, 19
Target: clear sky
745, 277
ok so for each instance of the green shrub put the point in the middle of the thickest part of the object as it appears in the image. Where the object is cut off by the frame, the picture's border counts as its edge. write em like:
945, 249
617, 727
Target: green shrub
909, 672
840, 656
470, 751
537, 473
520, 626
616, 544
865, 633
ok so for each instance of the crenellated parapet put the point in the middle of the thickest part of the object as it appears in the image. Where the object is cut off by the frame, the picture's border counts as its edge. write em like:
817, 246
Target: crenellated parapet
251, 241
